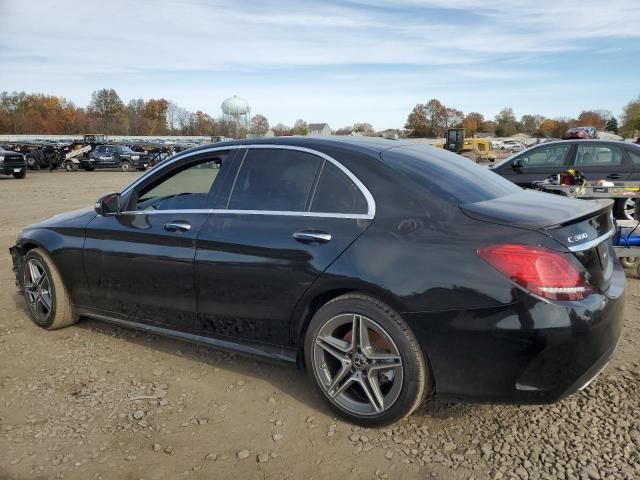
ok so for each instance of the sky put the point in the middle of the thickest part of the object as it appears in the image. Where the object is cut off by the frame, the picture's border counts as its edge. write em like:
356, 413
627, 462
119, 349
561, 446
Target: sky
335, 62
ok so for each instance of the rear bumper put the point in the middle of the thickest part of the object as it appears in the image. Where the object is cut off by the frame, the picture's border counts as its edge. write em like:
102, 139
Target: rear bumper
532, 351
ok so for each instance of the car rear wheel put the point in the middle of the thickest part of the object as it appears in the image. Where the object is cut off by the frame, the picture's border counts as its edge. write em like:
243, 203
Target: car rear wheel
625, 208
47, 299
365, 360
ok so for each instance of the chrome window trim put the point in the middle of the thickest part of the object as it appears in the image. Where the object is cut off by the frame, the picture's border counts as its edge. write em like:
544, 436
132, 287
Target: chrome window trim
594, 242
371, 204
358, 216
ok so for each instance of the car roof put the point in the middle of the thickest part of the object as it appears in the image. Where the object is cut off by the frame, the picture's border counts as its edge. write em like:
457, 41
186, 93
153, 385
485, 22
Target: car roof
367, 145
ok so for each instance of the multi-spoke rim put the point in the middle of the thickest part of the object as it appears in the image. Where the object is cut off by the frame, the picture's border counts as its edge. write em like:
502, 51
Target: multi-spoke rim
629, 207
37, 289
358, 364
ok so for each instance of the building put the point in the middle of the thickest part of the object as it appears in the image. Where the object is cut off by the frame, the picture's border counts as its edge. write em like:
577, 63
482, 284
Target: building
320, 129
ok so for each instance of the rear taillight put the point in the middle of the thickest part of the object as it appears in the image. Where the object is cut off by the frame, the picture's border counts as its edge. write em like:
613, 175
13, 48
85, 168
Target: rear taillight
541, 271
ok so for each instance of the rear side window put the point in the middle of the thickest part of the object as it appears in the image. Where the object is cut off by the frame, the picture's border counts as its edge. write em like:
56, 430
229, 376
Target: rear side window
635, 157
546, 157
598, 156
336, 193
448, 176
274, 179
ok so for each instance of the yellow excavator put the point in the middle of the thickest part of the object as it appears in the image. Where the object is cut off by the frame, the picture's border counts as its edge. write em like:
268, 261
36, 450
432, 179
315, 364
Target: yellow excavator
475, 149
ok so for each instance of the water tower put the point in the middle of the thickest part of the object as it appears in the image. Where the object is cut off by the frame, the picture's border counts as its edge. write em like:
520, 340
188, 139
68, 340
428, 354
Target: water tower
236, 110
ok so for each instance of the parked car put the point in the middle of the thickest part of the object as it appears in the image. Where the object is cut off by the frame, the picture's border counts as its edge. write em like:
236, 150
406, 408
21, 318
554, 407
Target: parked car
595, 159
115, 156
389, 270
512, 145
12, 163
637, 141
582, 133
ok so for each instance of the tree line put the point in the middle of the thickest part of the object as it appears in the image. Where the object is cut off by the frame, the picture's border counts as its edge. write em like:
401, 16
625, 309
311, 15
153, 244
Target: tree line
36, 113
433, 118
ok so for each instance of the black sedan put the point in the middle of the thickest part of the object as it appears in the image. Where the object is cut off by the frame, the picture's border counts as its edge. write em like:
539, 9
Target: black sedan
595, 159
390, 271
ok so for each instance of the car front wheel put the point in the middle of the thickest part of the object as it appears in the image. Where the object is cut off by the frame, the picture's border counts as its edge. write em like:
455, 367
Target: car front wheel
47, 299
365, 360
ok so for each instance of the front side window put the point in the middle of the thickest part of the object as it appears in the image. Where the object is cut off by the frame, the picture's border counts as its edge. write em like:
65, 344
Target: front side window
598, 156
186, 188
635, 157
336, 193
546, 157
274, 179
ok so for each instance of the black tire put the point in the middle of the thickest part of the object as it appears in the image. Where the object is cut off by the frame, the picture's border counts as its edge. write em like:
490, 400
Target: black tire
624, 208
61, 312
70, 166
141, 169
32, 161
471, 156
125, 166
21, 174
89, 169
414, 375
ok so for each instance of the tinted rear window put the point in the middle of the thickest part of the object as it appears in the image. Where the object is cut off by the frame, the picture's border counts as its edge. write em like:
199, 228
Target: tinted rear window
447, 175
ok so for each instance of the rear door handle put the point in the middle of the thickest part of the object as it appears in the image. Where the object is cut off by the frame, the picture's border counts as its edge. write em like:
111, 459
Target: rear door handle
614, 176
312, 236
177, 226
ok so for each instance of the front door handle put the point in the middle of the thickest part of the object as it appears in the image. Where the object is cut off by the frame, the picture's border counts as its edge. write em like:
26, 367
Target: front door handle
312, 237
614, 176
177, 226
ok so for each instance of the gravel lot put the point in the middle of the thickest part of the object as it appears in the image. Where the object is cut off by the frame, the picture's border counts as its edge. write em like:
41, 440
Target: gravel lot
96, 401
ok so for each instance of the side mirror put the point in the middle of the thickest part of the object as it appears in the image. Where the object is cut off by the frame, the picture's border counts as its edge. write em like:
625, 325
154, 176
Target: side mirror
517, 164
108, 204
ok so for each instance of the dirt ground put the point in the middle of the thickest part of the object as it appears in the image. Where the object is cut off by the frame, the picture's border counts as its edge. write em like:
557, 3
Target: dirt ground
97, 401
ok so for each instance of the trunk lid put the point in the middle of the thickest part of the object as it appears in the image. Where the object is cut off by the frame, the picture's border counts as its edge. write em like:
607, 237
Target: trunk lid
583, 227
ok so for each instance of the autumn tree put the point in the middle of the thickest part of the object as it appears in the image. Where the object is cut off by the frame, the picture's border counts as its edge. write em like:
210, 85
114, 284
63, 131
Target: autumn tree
155, 114
453, 118
547, 127
631, 119
529, 124
348, 130
259, 125
506, 123
591, 118
473, 123
436, 117
135, 115
108, 111
416, 124
282, 130
300, 127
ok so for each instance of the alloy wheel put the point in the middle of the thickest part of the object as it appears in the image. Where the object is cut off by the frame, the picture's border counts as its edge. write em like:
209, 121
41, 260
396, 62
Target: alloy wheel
37, 290
358, 364
629, 208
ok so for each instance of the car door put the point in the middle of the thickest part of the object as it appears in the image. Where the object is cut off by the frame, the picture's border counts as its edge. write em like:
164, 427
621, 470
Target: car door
634, 155
139, 262
537, 164
598, 161
291, 212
